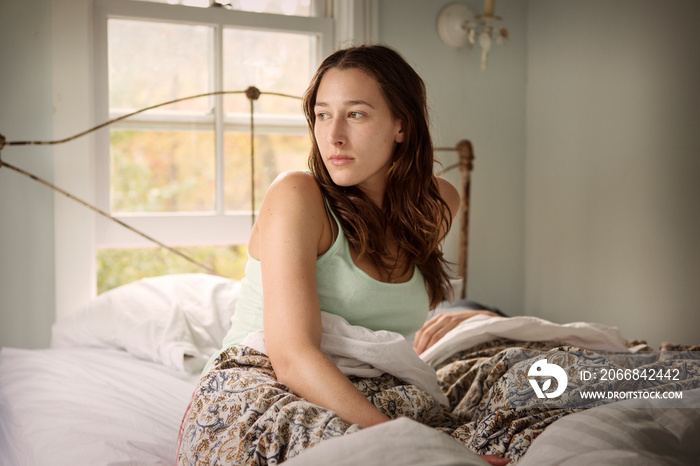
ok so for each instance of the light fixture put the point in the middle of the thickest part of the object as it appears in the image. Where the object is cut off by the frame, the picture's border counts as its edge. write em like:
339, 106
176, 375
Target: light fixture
458, 27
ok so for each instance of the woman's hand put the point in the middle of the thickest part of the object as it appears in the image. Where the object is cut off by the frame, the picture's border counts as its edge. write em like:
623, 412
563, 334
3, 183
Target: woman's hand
436, 327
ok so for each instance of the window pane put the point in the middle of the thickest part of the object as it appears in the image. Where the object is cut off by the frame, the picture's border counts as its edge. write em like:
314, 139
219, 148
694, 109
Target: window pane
116, 267
162, 171
274, 153
283, 7
151, 63
271, 61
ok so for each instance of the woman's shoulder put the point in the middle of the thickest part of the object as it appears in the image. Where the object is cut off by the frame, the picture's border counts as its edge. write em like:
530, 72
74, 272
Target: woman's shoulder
293, 210
295, 192
295, 177
295, 183
450, 195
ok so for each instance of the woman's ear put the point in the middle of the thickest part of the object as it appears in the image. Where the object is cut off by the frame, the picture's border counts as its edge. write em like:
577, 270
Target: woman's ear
399, 134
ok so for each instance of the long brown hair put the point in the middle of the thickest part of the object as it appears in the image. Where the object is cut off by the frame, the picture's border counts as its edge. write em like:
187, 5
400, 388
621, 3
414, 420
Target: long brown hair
415, 212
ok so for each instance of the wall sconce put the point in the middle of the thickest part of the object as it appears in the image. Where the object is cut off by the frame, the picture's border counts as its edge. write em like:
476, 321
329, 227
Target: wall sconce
457, 27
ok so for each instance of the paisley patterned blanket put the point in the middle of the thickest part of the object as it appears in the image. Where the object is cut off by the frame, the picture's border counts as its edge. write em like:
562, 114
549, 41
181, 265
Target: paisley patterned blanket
240, 414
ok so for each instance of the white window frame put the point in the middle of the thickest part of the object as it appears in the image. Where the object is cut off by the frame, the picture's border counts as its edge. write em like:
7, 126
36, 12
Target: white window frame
184, 229
76, 107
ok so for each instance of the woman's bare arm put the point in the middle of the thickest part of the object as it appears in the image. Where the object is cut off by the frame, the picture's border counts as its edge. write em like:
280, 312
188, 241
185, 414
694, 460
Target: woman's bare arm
289, 230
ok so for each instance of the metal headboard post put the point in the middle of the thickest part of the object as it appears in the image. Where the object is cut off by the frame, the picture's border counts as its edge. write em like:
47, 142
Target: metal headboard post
465, 165
253, 94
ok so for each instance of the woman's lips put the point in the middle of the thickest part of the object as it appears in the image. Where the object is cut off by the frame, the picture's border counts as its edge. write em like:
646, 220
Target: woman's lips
340, 160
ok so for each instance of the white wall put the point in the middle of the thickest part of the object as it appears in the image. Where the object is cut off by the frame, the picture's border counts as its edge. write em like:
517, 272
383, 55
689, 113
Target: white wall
489, 109
613, 163
585, 192
26, 208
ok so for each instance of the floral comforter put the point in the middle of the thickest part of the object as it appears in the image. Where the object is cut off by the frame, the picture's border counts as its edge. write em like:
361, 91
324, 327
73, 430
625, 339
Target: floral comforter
240, 414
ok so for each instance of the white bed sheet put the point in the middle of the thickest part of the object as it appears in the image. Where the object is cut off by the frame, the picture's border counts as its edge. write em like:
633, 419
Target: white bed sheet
89, 406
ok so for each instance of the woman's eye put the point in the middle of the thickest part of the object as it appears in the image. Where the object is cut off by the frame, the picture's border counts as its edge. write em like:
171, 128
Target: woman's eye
355, 115
321, 116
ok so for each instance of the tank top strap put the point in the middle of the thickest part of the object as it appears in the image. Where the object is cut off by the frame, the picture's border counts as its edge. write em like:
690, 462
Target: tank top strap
332, 219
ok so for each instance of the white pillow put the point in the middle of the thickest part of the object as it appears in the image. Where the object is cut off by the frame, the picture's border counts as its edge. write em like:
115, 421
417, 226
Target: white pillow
176, 320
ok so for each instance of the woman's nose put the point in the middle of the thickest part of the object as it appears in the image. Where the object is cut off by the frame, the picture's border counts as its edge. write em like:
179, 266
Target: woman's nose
336, 132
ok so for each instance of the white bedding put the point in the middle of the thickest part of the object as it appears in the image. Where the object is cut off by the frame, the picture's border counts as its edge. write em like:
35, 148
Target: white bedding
89, 416
89, 407
630, 432
399, 442
175, 320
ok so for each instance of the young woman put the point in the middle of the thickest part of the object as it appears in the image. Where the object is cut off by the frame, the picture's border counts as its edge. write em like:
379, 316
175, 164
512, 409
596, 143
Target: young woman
358, 236
372, 169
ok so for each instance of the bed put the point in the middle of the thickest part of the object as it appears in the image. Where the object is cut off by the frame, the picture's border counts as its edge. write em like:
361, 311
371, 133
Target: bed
119, 375
115, 384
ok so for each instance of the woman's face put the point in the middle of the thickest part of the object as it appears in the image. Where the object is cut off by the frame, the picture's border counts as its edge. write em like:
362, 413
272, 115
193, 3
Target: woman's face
355, 130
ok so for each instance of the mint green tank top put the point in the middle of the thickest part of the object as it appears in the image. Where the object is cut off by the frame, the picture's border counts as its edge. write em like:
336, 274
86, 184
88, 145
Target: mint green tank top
343, 289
